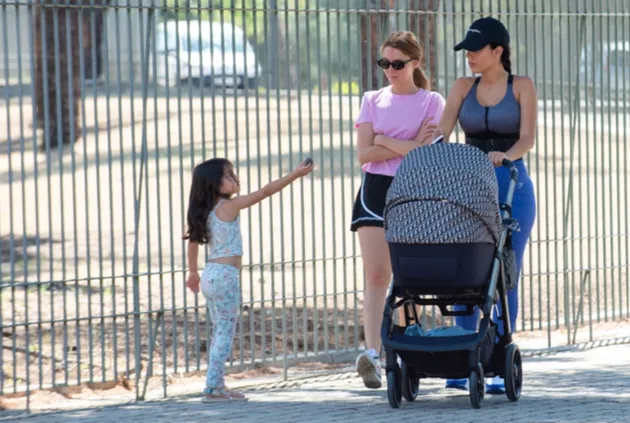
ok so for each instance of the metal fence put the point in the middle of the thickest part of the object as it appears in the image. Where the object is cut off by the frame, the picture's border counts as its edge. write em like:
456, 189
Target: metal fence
107, 105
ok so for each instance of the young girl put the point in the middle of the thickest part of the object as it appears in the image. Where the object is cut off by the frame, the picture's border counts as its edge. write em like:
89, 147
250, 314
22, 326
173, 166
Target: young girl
392, 121
213, 219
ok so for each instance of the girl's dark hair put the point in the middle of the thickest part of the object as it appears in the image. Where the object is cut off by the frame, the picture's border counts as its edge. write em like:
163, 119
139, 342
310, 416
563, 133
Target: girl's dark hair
408, 44
505, 57
204, 194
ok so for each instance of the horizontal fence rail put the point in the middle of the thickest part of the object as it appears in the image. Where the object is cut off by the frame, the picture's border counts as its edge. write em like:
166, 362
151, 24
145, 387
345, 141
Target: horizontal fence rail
107, 106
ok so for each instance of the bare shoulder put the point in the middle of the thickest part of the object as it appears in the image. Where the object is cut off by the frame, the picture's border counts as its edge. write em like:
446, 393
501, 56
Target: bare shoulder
464, 82
524, 88
460, 88
524, 83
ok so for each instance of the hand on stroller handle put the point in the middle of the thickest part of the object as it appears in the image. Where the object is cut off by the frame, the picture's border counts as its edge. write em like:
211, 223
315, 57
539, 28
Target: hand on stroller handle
513, 170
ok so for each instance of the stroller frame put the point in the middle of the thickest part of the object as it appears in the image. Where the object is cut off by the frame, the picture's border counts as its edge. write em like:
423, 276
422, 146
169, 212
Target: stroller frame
473, 356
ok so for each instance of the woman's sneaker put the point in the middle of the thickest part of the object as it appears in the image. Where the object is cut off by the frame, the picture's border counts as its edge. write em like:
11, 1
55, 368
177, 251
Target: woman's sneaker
369, 368
495, 386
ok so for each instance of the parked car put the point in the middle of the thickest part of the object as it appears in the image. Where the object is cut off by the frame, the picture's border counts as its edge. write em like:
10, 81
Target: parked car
205, 52
605, 67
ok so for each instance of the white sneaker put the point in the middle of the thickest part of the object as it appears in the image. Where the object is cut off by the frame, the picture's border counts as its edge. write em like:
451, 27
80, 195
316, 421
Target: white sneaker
369, 368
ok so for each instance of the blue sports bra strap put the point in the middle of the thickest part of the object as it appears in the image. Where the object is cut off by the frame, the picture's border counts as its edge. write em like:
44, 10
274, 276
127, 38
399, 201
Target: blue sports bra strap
510, 79
477, 79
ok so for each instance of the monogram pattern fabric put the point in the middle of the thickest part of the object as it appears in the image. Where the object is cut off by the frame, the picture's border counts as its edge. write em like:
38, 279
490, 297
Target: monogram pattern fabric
443, 194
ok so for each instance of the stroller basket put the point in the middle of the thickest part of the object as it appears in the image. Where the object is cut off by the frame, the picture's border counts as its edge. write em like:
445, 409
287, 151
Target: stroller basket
450, 355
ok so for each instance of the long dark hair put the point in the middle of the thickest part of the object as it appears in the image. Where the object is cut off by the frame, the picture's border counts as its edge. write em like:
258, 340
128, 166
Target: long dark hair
204, 194
408, 44
505, 57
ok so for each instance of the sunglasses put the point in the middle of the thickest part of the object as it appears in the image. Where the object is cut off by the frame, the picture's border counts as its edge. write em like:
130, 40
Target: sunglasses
396, 64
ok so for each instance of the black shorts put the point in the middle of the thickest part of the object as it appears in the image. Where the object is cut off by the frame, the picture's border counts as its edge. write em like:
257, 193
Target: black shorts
370, 201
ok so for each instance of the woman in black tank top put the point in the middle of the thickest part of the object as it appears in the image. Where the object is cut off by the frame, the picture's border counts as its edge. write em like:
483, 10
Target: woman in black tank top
497, 111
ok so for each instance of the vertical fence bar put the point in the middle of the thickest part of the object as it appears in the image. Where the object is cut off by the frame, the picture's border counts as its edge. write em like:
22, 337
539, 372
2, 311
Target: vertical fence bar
626, 231
38, 251
272, 69
556, 225
59, 138
298, 59
535, 169
12, 208
601, 267
188, 44
182, 198
617, 170
550, 169
25, 258
607, 179
316, 253
351, 102
342, 83
123, 202
331, 164
75, 196
252, 268
543, 240
581, 186
591, 94
612, 170
86, 172
275, 27
288, 82
112, 201
96, 52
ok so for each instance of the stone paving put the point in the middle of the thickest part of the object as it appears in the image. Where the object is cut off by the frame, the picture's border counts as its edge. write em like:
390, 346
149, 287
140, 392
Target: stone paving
588, 385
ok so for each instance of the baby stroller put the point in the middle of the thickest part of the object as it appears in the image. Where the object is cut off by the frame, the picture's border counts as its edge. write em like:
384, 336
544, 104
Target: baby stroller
449, 246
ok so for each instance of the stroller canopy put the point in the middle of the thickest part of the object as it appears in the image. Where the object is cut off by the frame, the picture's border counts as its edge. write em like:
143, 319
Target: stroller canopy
443, 194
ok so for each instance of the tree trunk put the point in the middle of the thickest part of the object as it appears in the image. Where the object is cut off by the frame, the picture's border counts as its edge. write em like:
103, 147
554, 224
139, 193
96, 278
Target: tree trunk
423, 25
57, 75
370, 43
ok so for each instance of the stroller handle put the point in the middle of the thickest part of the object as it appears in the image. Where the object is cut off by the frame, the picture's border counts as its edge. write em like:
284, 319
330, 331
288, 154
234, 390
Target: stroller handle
513, 170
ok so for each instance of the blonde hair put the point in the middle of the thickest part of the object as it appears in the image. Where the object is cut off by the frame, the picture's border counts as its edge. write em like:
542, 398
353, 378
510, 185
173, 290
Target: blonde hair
408, 44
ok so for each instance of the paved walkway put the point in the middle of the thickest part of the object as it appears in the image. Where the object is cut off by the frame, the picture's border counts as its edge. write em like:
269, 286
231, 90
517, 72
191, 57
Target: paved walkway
579, 386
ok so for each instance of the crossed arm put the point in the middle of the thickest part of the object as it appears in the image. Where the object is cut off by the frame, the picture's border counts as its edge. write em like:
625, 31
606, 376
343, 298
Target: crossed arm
374, 147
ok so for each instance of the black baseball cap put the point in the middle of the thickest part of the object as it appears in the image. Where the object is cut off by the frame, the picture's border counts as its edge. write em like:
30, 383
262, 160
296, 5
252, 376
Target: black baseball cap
482, 32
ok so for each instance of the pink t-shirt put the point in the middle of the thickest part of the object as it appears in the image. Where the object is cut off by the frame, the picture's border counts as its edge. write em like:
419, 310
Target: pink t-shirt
397, 116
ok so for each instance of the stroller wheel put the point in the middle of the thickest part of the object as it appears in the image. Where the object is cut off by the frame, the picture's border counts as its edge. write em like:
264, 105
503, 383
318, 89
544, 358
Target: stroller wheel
394, 387
477, 386
513, 372
410, 384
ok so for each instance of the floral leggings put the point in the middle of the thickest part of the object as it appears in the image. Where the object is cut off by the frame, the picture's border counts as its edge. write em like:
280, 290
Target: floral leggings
220, 286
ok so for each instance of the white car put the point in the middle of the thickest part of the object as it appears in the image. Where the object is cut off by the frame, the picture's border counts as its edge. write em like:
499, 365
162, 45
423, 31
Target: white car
204, 52
605, 67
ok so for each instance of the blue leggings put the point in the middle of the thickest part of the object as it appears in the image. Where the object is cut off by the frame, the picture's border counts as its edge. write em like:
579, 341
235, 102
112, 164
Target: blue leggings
524, 211
220, 286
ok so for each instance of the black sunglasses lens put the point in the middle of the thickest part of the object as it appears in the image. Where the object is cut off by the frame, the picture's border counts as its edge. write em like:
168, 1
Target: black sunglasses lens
398, 64
384, 63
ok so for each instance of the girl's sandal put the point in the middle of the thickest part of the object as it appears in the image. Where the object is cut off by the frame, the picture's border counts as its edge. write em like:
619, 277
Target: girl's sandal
215, 395
235, 395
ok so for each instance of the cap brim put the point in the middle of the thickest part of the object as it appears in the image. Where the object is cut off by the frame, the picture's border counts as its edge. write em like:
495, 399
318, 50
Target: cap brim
470, 44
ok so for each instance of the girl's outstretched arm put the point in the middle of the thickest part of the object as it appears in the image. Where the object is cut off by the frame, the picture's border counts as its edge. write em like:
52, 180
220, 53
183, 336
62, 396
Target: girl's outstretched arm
228, 210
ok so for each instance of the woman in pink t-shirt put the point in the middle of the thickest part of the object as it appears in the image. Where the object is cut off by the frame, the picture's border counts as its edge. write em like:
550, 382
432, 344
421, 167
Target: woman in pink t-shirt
392, 121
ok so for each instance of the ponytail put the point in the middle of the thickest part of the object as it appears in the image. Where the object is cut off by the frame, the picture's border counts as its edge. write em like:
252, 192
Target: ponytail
420, 79
505, 60
505, 57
